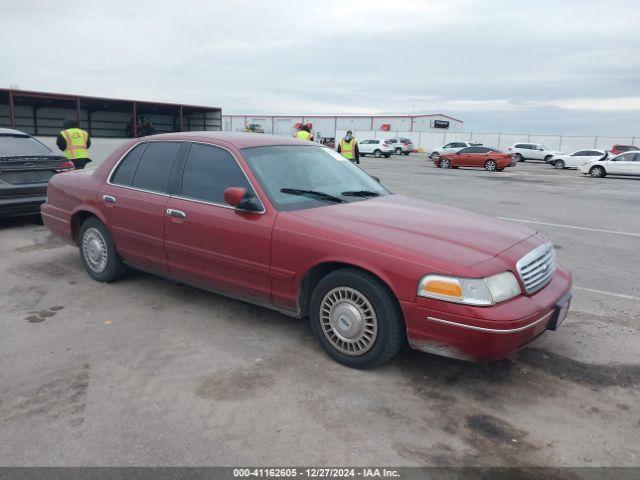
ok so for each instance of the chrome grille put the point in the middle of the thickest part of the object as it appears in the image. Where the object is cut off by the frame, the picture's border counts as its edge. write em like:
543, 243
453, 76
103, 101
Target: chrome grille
537, 267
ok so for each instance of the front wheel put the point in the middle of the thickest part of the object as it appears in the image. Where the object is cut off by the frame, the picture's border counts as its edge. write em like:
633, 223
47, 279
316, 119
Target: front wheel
398, 151
98, 252
356, 319
519, 157
445, 163
597, 172
434, 155
406, 153
490, 166
559, 164
547, 158
387, 155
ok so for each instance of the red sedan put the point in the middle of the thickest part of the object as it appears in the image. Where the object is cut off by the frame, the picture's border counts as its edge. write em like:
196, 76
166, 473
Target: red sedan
295, 227
484, 157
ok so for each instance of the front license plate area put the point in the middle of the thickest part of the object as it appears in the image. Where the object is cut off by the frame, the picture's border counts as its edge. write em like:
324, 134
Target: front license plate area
560, 312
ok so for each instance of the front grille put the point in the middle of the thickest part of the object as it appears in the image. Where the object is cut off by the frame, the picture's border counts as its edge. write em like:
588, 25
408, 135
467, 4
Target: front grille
537, 267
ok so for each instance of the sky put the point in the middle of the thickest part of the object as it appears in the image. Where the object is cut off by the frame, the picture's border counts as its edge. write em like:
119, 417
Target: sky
558, 67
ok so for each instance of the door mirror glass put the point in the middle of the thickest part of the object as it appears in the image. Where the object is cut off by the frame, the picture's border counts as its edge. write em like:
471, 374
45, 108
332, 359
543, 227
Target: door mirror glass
242, 199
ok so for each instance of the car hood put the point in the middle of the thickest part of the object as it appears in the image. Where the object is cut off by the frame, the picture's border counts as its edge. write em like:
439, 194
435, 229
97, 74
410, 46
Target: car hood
428, 233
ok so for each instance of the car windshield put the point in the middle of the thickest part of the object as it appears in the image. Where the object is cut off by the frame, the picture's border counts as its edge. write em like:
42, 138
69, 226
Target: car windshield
17, 145
298, 177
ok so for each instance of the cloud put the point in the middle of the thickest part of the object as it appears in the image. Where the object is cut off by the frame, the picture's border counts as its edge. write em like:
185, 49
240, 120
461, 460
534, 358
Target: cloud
493, 63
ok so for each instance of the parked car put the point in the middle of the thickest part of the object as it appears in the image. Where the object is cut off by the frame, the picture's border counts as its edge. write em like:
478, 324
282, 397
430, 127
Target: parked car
531, 151
402, 146
375, 147
627, 163
577, 159
297, 228
618, 149
26, 165
490, 159
452, 147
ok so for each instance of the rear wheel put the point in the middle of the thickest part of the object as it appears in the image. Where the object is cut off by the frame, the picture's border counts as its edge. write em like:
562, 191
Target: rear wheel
387, 155
500, 169
445, 163
356, 319
407, 153
547, 158
559, 164
597, 172
398, 151
434, 155
98, 252
377, 153
490, 165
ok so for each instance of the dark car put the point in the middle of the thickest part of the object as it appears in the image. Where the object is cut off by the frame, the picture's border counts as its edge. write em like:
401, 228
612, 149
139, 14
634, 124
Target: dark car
26, 165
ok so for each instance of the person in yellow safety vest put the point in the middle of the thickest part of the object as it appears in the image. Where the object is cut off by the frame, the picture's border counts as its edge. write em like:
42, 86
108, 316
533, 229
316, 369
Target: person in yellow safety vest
74, 143
304, 133
348, 147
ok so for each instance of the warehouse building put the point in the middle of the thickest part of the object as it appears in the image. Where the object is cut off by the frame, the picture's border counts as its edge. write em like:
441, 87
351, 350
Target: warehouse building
325, 127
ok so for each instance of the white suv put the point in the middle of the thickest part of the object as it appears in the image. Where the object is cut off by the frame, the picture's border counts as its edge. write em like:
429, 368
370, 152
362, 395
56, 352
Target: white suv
453, 147
531, 151
402, 146
378, 148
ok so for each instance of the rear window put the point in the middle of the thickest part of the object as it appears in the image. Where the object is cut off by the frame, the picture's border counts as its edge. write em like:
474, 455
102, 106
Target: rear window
18, 145
626, 148
127, 167
154, 166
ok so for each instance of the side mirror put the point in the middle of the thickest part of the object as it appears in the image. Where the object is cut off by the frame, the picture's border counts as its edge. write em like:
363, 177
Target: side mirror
377, 179
241, 199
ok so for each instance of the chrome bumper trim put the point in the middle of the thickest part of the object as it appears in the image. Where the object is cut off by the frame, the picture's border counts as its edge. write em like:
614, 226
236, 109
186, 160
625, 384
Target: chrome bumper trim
493, 330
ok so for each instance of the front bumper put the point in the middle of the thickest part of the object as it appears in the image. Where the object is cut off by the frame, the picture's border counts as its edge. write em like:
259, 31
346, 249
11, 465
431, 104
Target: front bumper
485, 333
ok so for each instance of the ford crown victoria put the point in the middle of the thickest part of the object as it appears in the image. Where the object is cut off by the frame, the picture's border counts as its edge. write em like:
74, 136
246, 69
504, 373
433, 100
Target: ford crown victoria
295, 227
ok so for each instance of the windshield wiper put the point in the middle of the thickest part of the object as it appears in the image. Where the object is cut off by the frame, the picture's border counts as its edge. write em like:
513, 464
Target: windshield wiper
313, 193
360, 193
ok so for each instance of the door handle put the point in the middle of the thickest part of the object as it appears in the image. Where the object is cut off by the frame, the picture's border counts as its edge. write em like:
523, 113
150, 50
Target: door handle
109, 198
176, 213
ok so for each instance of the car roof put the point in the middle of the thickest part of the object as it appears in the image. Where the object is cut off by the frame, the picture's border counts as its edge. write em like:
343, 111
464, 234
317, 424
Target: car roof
11, 131
237, 139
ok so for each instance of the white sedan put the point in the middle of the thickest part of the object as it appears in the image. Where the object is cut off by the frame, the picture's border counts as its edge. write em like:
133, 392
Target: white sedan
627, 163
378, 148
576, 159
453, 147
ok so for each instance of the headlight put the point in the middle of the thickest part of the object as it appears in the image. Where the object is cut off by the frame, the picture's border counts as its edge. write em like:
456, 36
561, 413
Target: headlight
471, 291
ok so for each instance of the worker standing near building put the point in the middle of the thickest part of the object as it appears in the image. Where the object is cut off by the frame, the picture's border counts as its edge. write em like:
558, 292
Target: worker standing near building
304, 133
74, 143
348, 147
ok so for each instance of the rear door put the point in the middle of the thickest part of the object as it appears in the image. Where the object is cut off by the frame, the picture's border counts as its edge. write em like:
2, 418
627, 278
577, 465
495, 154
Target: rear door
134, 203
208, 241
622, 164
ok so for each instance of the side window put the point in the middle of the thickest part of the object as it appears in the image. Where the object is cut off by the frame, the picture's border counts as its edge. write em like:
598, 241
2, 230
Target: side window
466, 150
208, 171
484, 150
519, 145
581, 153
376, 142
448, 145
155, 165
127, 167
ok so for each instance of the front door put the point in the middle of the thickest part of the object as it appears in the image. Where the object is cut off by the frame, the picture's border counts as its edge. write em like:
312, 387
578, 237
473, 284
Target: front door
208, 242
134, 202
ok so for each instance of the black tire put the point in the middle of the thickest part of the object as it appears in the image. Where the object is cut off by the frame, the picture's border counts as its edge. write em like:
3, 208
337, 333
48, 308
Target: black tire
391, 334
398, 151
597, 172
547, 158
519, 157
114, 267
490, 166
434, 155
377, 153
500, 169
445, 163
559, 164
363, 154
406, 153
387, 155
